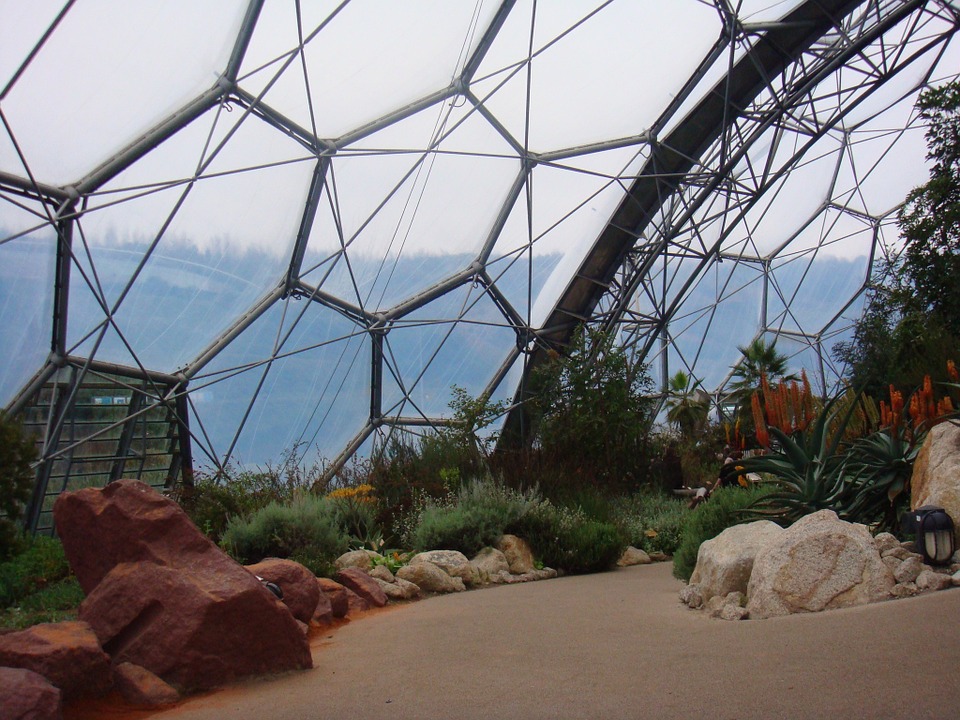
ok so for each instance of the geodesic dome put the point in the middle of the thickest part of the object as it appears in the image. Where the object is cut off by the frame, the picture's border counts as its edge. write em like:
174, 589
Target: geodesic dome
230, 229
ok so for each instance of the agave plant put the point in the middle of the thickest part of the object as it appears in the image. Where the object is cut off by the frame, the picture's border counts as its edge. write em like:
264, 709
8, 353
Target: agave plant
877, 470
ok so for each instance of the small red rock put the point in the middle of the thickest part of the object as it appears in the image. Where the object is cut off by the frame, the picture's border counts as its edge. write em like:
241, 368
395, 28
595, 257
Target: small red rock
357, 604
67, 654
323, 614
337, 594
139, 686
25, 695
300, 590
363, 585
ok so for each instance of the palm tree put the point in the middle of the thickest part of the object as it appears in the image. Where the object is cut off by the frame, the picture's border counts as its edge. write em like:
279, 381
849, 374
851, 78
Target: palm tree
687, 405
759, 360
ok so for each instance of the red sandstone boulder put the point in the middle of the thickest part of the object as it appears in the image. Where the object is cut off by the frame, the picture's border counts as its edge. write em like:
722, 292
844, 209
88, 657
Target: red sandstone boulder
363, 585
323, 613
67, 654
300, 590
337, 594
127, 521
355, 603
139, 686
163, 596
25, 695
194, 629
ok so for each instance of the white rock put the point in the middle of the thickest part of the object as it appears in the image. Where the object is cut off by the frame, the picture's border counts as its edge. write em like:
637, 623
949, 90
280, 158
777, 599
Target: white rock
891, 562
362, 559
884, 542
489, 564
908, 570
430, 578
691, 596
902, 590
819, 563
955, 579
928, 580
400, 589
724, 563
381, 572
901, 553
633, 556
518, 553
936, 473
452, 562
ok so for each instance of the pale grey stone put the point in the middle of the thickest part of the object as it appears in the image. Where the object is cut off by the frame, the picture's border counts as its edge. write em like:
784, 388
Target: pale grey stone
518, 553
891, 562
885, 541
819, 563
452, 562
691, 596
633, 556
900, 553
489, 563
733, 612
930, 581
903, 590
724, 563
955, 579
908, 570
362, 559
381, 572
430, 578
400, 589
936, 473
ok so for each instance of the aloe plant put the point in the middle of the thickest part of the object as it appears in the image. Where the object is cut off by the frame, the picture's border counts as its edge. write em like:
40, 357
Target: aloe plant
806, 472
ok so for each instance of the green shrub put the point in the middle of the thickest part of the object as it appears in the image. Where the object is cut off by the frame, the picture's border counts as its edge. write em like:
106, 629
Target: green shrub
305, 527
473, 518
355, 510
724, 509
17, 451
54, 603
566, 539
216, 497
41, 563
652, 521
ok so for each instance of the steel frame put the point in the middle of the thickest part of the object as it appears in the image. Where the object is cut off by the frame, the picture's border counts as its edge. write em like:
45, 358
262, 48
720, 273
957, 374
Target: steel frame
775, 83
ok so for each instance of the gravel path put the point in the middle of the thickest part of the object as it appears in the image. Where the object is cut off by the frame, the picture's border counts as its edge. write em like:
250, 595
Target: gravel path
614, 645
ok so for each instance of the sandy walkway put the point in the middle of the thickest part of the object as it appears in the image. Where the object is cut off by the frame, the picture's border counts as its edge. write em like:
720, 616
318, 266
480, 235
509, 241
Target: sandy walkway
615, 645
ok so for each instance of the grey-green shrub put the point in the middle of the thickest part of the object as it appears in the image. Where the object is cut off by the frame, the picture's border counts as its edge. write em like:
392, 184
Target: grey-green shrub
469, 520
724, 509
566, 539
651, 520
305, 527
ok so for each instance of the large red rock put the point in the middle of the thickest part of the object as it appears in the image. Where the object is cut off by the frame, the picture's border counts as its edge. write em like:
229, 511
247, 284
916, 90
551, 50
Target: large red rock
337, 594
194, 629
127, 521
299, 586
363, 585
67, 654
163, 596
139, 686
25, 695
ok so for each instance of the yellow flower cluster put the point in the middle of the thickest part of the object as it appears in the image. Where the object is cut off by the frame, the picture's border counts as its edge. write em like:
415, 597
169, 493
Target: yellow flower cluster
361, 493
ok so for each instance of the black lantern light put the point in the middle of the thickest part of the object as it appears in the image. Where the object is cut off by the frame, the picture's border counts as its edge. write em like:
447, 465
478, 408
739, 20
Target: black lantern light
934, 532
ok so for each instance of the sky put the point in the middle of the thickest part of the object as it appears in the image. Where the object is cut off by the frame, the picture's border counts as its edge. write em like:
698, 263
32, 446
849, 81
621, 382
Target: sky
418, 179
